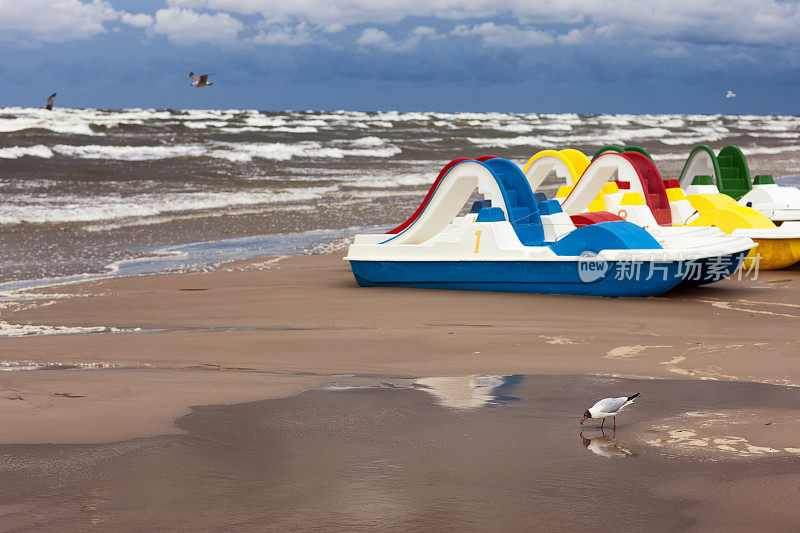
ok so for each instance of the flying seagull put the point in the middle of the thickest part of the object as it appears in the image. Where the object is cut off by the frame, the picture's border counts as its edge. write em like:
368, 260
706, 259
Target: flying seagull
730, 94
49, 105
200, 81
608, 407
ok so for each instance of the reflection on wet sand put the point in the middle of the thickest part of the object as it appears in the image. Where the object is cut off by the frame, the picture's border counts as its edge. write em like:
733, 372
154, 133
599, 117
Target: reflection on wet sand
468, 392
423, 458
606, 446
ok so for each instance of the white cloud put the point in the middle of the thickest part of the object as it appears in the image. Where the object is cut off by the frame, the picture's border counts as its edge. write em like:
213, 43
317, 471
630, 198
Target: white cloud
46, 20
375, 38
334, 28
716, 21
671, 51
505, 35
573, 36
349, 12
526, 23
140, 20
285, 35
424, 32
713, 21
187, 27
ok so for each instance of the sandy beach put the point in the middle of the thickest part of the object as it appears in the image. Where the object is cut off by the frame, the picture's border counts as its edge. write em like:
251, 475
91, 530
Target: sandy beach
184, 348
157, 347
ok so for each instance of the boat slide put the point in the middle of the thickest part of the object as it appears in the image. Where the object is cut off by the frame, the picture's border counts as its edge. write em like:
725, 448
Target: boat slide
620, 199
729, 174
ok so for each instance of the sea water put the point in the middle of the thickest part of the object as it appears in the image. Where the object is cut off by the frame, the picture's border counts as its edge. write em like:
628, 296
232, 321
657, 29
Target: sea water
83, 191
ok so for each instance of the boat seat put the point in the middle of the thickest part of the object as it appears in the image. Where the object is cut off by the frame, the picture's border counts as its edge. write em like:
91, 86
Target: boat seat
480, 204
550, 207
594, 217
490, 214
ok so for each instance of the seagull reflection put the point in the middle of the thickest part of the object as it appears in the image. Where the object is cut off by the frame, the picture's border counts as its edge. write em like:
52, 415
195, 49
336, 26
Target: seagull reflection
606, 446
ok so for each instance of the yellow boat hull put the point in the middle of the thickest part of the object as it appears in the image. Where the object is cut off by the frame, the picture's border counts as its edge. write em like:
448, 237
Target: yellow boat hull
773, 254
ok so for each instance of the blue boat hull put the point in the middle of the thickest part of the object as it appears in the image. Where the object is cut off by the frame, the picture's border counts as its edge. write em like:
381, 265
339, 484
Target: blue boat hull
713, 269
547, 277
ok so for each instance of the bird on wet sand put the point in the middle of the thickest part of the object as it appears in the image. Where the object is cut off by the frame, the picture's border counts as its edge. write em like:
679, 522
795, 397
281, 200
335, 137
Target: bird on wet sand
200, 81
608, 407
49, 105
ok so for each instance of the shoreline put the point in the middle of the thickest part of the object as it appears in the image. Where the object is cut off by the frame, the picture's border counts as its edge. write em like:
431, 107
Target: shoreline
200, 256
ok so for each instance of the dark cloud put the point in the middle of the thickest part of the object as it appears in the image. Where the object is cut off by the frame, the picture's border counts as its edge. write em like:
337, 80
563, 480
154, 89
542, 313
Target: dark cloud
132, 67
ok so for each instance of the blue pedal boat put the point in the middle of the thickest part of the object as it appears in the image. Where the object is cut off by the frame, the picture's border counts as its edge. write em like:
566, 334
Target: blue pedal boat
512, 241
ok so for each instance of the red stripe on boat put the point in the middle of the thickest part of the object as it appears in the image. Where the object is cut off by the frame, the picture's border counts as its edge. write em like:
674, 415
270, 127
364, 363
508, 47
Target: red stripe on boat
428, 197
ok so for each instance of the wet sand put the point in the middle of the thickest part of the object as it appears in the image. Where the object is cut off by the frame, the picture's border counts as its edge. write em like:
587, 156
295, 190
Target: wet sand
397, 458
271, 328
306, 315
81, 406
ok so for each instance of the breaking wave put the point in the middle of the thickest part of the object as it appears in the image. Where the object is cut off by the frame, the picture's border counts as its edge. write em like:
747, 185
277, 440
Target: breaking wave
234, 152
31, 209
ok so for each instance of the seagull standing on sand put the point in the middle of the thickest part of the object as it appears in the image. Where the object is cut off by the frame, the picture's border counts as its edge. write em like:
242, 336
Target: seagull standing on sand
608, 407
49, 105
200, 81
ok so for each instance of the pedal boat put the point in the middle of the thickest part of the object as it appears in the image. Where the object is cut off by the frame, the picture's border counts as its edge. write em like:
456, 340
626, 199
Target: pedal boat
613, 187
729, 174
703, 205
510, 242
